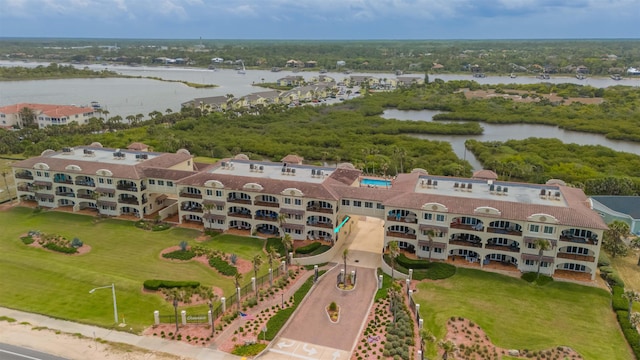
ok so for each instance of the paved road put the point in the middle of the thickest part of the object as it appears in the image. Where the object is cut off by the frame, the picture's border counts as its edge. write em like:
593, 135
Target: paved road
310, 335
10, 352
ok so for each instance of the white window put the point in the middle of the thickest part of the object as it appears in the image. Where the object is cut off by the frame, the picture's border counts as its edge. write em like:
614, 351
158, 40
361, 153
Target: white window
161, 182
379, 206
549, 229
345, 202
428, 216
170, 183
529, 262
298, 202
219, 193
440, 218
368, 204
357, 203
209, 192
152, 182
534, 228
101, 180
287, 201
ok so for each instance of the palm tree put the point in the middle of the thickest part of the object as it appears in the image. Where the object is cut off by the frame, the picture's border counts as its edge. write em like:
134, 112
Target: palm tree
345, 254
542, 245
426, 336
6, 184
631, 296
287, 242
131, 119
448, 348
28, 117
393, 253
237, 278
395, 299
613, 242
257, 261
430, 234
272, 255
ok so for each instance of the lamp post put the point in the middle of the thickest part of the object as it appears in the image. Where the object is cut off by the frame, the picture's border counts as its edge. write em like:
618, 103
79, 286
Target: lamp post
175, 307
212, 319
113, 291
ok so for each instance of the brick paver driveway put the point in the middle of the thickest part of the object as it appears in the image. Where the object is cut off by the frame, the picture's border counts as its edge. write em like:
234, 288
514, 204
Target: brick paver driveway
311, 335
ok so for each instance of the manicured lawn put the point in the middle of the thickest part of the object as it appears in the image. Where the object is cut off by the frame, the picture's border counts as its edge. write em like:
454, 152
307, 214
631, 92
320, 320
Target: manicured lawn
44, 282
517, 315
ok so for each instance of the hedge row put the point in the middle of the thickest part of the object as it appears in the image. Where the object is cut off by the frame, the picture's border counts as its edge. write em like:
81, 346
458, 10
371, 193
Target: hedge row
180, 255
168, 284
223, 266
629, 331
412, 263
307, 249
58, 248
424, 269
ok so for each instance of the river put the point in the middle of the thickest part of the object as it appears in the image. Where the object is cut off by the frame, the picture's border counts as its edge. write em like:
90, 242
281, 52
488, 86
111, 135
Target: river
509, 132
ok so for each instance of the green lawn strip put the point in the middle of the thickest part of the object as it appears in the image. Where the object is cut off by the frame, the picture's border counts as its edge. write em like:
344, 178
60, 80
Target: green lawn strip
244, 247
277, 245
518, 315
58, 285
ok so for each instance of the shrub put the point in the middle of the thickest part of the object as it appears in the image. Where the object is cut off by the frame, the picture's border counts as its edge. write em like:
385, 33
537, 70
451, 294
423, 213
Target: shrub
180, 255
168, 284
184, 245
222, 266
603, 259
27, 240
76, 243
618, 302
276, 243
160, 227
333, 306
58, 248
248, 350
308, 248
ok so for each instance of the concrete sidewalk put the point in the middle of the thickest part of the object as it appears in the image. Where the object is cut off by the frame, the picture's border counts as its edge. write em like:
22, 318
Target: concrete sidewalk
143, 342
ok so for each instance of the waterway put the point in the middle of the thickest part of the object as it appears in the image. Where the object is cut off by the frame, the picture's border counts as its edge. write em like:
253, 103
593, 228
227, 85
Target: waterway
505, 132
125, 97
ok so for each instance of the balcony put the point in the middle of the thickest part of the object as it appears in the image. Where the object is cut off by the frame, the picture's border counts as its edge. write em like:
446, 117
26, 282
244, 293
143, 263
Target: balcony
402, 235
85, 183
24, 175
321, 224
466, 243
240, 215
65, 193
190, 195
476, 227
578, 240
127, 187
578, 257
63, 181
267, 203
504, 231
26, 188
239, 201
85, 196
404, 219
145, 200
509, 248
196, 209
131, 201
320, 209
265, 218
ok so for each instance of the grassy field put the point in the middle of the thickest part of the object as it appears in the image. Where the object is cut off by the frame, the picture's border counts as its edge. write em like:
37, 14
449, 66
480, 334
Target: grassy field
517, 315
44, 282
628, 269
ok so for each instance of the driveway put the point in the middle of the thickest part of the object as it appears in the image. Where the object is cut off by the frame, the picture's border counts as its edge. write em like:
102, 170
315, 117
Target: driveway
311, 335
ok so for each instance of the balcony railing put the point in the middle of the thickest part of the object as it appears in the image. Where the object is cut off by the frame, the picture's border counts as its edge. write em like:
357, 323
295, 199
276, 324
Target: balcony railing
65, 193
267, 203
320, 209
240, 215
401, 235
509, 248
320, 224
132, 188
466, 243
504, 231
265, 218
405, 219
190, 195
476, 227
85, 196
24, 175
576, 257
579, 240
128, 201
26, 188
197, 209
239, 201
63, 181
85, 183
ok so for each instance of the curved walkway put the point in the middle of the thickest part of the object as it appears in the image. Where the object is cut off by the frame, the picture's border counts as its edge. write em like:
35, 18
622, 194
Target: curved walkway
310, 335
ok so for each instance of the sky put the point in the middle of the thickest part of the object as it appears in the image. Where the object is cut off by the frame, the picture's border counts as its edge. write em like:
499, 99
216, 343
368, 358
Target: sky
321, 19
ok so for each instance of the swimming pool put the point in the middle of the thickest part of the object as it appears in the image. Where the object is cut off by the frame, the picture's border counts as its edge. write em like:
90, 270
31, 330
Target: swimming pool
376, 182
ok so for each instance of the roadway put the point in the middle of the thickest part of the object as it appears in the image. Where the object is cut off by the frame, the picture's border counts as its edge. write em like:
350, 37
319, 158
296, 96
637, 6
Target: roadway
10, 352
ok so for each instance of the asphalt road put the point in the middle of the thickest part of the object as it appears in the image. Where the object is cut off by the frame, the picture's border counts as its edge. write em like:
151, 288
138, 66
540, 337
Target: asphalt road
10, 352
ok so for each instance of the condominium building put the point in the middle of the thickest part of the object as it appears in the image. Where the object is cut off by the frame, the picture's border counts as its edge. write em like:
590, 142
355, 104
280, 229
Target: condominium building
45, 114
479, 220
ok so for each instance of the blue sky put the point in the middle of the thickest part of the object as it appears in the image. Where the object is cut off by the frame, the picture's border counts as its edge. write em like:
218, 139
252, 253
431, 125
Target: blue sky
321, 19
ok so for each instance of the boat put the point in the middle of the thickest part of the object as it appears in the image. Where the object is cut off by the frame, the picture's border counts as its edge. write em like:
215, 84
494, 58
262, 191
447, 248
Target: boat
633, 71
323, 71
275, 69
513, 76
243, 70
616, 77
212, 67
479, 75
543, 76
580, 76
96, 105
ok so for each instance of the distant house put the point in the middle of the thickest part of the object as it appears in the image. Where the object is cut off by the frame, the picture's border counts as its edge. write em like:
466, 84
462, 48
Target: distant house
138, 146
409, 80
437, 66
582, 70
621, 208
357, 80
291, 80
294, 64
310, 64
217, 60
212, 103
292, 159
341, 63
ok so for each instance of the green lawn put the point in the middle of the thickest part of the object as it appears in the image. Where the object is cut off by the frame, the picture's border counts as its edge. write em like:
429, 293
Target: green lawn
518, 315
44, 282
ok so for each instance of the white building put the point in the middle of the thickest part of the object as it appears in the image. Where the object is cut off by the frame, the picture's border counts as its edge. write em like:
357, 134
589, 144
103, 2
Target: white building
45, 115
